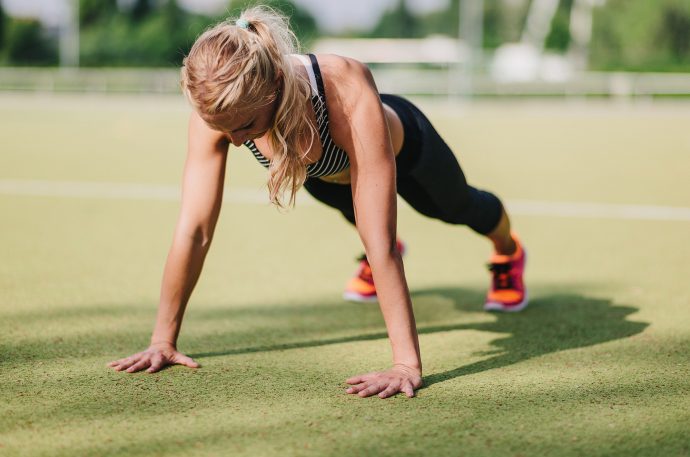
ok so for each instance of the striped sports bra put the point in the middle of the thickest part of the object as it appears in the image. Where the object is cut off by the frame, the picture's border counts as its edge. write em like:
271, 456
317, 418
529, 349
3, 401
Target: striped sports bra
334, 159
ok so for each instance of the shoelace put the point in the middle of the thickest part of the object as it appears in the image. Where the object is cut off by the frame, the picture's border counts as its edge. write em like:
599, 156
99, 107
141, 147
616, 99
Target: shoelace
502, 279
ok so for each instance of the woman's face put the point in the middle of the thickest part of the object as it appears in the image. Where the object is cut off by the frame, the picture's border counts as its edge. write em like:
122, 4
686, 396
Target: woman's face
241, 126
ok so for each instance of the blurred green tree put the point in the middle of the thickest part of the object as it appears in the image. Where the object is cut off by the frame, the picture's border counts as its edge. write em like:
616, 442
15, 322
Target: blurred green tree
141, 9
442, 22
675, 32
495, 32
639, 35
96, 12
398, 22
499, 22
3, 27
559, 36
27, 44
145, 34
157, 33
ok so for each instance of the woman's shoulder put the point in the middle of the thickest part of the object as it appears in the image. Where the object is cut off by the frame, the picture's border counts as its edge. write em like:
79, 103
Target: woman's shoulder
335, 65
343, 76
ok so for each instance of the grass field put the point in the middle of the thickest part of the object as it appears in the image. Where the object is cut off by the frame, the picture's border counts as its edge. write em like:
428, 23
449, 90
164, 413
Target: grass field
597, 365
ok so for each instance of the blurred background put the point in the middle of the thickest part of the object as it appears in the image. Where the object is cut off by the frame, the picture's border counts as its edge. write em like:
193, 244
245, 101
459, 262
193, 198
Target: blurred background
440, 48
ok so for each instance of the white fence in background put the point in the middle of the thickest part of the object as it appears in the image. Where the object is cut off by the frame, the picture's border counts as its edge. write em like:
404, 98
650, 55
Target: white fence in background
406, 79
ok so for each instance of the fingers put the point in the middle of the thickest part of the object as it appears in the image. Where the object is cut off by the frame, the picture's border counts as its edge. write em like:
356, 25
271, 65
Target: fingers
356, 389
152, 361
124, 364
367, 389
389, 391
360, 378
372, 389
138, 366
363, 386
133, 363
385, 384
407, 389
126, 361
384, 390
157, 364
185, 360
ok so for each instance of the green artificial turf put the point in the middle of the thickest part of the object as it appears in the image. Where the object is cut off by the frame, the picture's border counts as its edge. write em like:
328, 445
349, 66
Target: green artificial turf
597, 365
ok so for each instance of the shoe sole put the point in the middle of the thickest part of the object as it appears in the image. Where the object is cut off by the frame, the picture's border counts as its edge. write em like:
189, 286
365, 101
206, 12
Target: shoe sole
355, 297
497, 306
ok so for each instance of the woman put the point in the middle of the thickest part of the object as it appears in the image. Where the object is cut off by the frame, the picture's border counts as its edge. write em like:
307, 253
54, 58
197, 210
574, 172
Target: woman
319, 121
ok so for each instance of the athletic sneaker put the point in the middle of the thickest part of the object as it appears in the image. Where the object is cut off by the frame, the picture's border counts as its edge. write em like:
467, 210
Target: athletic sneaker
508, 292
361, 288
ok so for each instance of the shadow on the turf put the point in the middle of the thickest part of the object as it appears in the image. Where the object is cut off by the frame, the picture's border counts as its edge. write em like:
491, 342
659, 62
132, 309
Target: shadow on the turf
550, 324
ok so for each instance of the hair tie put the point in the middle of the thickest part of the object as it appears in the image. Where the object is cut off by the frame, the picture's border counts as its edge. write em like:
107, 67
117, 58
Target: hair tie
242, 23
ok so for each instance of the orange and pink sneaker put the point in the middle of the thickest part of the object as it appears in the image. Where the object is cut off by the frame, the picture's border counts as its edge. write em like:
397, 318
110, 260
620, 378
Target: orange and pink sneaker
508, 292
361, 288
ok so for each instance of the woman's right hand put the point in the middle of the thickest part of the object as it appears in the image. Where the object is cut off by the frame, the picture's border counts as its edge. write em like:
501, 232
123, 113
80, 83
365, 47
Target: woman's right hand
153, 359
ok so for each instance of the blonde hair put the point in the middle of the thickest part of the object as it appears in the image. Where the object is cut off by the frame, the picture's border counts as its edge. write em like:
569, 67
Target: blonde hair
234, 67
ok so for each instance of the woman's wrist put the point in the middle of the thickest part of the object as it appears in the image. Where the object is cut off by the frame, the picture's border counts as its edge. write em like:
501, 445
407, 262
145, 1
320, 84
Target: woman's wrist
415, 367
162, 342
164, 335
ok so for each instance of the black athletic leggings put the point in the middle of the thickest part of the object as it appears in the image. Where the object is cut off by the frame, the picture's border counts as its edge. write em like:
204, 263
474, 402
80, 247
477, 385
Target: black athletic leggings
429, 178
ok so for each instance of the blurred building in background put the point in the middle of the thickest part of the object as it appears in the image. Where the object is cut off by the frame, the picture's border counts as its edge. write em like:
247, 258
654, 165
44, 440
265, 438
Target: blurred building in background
431, 47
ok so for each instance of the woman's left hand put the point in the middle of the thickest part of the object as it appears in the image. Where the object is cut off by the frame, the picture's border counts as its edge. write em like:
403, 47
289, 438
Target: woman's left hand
400, 378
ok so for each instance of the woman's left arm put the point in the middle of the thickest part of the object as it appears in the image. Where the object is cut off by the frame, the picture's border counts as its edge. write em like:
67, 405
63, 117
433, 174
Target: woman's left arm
358, 123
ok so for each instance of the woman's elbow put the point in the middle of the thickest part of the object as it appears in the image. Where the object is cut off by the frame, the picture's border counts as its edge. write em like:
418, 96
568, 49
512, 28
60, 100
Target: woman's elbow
196, 236
202, 238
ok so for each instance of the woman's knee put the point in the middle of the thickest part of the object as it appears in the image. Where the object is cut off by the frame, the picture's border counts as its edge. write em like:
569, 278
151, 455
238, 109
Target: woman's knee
480, 210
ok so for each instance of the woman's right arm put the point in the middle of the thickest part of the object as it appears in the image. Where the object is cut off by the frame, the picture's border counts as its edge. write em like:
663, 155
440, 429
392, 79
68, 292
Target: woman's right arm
202, 193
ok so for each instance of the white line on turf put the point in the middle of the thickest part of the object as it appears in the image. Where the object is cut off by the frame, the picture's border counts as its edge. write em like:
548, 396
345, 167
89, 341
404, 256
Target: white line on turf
118, 191
598, 210
139, 191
